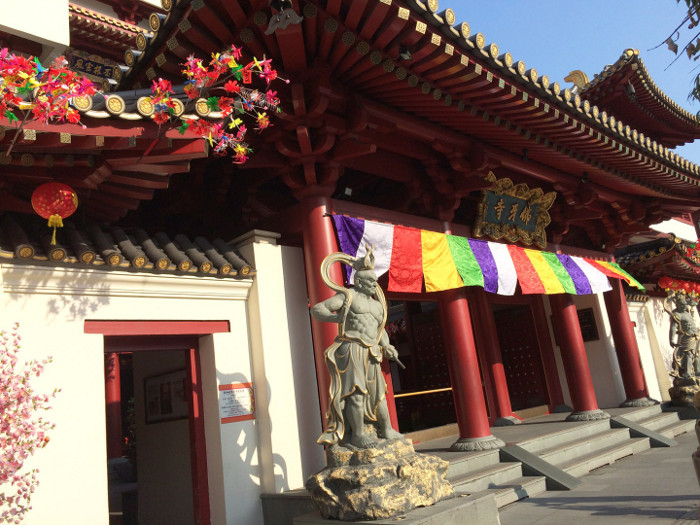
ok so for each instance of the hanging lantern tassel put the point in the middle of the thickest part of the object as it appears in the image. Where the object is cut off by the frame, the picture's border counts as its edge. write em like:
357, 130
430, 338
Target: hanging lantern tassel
55, 221
54, 201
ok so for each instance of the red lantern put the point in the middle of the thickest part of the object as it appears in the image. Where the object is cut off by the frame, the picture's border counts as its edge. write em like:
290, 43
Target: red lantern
54, 201
665, 282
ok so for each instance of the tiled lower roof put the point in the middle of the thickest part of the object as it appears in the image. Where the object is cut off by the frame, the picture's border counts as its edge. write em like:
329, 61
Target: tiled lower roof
27, 239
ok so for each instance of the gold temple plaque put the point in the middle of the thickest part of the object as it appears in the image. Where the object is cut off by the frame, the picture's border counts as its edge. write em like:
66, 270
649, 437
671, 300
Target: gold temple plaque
514, 212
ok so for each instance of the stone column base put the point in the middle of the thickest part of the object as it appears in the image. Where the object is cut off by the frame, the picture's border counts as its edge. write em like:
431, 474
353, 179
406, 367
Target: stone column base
588, 415
475, 444
639, 402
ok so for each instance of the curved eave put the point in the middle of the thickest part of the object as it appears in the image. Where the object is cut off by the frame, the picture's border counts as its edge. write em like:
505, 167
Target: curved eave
453, 80
113, 164
648, 107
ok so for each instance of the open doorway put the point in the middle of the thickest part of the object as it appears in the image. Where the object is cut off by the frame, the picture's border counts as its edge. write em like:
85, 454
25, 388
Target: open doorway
422, 391
167, 480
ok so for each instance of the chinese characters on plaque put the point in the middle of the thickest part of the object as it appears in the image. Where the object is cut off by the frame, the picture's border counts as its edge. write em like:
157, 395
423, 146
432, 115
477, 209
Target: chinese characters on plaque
236, 402
514, 212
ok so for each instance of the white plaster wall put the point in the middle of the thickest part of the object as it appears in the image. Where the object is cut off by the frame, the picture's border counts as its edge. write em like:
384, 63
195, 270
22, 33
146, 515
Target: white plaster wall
303, 362
233, 454
51, 304
51, 28
602, 361
643, 334
282, 357
656, 324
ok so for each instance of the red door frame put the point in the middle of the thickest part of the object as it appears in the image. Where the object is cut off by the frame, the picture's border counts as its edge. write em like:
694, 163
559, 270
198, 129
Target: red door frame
135, 336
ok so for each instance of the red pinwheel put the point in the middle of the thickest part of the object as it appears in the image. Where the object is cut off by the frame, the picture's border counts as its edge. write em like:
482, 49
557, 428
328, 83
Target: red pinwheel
54, 201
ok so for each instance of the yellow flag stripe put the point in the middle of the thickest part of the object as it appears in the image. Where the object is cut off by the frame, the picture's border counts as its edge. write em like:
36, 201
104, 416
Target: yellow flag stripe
439, 270
545, 273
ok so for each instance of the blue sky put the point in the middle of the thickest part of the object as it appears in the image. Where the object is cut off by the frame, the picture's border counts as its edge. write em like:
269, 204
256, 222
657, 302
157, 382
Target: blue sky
556, 37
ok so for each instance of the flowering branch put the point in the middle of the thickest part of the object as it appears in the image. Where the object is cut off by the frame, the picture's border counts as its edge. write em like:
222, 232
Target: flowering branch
21, 431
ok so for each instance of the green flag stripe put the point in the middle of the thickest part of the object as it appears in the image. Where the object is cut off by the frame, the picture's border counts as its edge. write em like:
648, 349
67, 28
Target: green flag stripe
469, 270
561, 273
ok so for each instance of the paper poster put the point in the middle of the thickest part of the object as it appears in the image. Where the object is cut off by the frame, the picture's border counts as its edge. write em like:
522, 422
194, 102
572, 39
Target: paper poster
236, 402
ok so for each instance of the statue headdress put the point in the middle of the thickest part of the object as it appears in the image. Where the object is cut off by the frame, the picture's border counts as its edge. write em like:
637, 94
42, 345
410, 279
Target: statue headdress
364, 262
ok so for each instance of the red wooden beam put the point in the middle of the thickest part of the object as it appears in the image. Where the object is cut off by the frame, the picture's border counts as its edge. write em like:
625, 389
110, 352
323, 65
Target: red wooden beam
128, 327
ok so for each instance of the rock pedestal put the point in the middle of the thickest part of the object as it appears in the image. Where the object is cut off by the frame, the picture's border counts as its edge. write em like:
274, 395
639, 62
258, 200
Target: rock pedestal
380, 482
683, 390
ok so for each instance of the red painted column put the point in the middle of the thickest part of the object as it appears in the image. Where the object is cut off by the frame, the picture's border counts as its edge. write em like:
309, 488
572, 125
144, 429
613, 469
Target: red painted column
472, 419
113, 399
556, 396
573, 353
487, 340
319, 241
626, 347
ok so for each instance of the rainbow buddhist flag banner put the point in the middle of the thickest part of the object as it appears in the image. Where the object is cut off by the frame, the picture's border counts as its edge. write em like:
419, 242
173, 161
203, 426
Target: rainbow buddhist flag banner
442, 261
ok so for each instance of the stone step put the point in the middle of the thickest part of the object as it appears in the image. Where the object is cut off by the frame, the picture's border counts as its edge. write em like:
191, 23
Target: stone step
640, 413
462, 463
660, 420
488, 477
584, 446
584, 464
573, 432
517, 489
680, 426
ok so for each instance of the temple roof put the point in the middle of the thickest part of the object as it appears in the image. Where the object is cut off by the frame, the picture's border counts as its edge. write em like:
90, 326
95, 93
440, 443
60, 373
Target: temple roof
452, 78
26, 240
626, 89
665, 256
393, 100
113, 165
103, 34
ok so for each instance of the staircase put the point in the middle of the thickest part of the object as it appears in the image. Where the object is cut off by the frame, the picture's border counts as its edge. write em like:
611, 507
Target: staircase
667, 423
574, 448
484, 472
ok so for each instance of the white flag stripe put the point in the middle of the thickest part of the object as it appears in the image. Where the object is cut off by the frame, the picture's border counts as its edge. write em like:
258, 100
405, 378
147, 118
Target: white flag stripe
507, 276
597, 279
381, 236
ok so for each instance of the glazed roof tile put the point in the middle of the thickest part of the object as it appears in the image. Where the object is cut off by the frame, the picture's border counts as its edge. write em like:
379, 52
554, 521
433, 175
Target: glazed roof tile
665, 256
25, 239
652, 104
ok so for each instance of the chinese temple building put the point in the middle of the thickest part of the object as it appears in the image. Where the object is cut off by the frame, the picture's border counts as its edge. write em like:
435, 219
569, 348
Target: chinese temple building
494, 198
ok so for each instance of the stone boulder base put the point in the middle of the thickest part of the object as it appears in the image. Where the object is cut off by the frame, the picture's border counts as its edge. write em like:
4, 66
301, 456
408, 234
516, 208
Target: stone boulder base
381, 482
683, 390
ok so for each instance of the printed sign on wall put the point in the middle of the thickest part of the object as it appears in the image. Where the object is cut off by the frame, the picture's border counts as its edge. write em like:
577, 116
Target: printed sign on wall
236, 402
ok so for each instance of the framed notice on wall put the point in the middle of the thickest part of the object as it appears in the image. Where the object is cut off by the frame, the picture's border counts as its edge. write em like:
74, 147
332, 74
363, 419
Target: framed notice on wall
236, 402
166, 396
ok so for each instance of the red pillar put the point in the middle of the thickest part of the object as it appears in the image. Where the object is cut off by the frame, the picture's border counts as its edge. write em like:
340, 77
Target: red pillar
556, 396
626, 347
472, 419
113, 399
319, 241
573, 354
487, 340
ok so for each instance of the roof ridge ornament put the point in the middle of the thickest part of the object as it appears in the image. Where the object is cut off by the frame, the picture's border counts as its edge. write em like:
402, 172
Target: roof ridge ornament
578, 78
